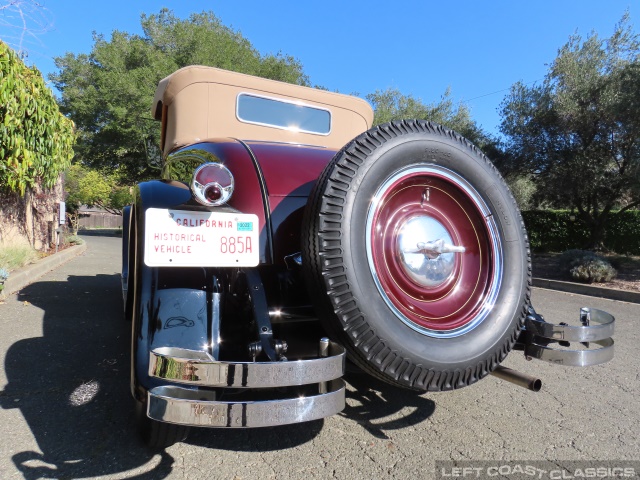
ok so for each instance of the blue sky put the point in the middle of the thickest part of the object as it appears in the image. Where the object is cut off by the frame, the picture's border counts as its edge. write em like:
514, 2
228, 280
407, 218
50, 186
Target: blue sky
477, 48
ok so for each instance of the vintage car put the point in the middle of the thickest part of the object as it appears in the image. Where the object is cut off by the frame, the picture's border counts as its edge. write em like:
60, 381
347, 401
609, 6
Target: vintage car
288, 234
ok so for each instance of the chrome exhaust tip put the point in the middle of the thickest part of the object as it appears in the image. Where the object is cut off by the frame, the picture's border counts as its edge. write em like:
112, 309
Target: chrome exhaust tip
518, 378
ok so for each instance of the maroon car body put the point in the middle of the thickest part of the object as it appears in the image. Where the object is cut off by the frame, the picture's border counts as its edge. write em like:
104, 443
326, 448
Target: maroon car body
287, 231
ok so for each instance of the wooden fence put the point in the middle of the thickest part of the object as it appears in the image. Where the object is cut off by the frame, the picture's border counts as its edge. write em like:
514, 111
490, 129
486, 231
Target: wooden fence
99, 220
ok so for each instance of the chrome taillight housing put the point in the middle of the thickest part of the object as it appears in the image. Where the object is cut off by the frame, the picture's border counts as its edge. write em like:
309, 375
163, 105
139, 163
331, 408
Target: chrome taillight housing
212, 184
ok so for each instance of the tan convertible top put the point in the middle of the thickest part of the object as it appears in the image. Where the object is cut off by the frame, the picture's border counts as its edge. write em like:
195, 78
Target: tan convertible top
197, 103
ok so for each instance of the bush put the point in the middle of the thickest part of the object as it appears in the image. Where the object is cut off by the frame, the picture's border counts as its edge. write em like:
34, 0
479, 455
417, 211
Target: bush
4, 274
554, 231
16, 256
74, 240
586, 267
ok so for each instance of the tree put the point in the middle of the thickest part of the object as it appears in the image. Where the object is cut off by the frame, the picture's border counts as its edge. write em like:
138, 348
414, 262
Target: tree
391, 104
578, 133
36, 141
36, 145
108, 92
86, 186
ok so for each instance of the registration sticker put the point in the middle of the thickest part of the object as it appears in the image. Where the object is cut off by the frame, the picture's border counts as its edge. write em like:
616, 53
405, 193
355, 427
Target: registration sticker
178, 238
245, 226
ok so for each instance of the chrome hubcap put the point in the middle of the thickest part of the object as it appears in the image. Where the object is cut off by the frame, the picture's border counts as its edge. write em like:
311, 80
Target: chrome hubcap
434, 250
429, 263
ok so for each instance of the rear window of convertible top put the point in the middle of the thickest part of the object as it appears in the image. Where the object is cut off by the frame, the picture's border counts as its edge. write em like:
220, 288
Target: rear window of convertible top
277, 113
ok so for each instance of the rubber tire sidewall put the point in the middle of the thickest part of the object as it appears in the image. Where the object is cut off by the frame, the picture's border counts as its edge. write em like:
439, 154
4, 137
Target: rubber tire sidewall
489, 342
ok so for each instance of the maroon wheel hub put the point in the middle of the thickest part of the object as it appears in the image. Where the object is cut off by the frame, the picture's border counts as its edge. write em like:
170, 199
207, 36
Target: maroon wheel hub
433, 250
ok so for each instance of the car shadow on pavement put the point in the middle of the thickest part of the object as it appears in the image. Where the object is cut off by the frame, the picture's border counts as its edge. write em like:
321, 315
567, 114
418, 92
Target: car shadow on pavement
379, 406
72, 384
72, 388
264, 439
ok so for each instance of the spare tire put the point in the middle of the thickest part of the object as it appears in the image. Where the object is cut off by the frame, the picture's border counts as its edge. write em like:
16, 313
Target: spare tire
416, 257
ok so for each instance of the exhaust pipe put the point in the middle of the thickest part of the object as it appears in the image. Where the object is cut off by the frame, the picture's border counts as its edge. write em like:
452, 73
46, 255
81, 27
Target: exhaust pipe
521, 379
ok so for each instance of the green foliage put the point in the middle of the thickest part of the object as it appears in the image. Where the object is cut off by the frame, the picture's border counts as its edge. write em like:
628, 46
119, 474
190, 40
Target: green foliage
93, 188
391, 104
36, 140
108, 92
555, 231
622, 234
16, 256
585, 266
74, 240
523, 189
579, 132
181, 165
570, 258
593, 270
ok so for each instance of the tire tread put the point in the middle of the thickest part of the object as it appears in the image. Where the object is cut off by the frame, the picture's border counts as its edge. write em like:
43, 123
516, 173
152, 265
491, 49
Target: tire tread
328, 284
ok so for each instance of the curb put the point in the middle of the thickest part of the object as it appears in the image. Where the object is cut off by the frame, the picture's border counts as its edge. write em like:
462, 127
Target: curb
29, 274
590, 290
26, 275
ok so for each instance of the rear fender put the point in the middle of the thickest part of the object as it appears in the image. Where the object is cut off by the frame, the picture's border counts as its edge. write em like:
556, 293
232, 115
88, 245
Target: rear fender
179, 307
126, 245
173, 306
250, 192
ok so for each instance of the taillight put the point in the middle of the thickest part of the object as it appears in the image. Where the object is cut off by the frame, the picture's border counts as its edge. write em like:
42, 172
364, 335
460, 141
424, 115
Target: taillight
212, 184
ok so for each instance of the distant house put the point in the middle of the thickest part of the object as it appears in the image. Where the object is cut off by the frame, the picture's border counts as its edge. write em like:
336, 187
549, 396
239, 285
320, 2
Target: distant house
94, 217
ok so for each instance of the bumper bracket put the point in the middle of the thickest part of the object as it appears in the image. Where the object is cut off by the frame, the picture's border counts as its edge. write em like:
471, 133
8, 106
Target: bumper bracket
592, 342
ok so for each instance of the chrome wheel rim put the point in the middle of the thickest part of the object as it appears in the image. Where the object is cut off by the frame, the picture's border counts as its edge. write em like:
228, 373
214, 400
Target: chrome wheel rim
433, 250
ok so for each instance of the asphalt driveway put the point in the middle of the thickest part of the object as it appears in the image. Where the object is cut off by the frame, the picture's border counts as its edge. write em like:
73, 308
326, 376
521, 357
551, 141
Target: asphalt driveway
67, 413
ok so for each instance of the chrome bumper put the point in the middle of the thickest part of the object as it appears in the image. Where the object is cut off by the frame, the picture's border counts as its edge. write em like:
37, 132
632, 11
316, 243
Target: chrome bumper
202, 409
550, 342
265, 393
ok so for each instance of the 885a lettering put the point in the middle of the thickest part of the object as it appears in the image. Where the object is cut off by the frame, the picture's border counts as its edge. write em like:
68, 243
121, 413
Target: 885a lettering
236, 244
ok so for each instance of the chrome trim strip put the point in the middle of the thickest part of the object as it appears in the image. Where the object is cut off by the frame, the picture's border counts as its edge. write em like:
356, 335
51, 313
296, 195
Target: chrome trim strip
201, 409
572, 358
584, 333
197, 368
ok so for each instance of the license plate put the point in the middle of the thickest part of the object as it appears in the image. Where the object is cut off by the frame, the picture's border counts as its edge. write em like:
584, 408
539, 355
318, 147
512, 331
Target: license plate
178, 238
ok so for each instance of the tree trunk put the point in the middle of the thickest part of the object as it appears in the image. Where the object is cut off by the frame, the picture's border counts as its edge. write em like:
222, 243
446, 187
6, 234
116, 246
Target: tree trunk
597, 228
28, 218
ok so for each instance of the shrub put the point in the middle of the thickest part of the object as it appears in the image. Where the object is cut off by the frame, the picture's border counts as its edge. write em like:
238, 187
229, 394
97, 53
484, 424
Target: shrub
74, 240
16, 256
554, 231
586, 267
4, 274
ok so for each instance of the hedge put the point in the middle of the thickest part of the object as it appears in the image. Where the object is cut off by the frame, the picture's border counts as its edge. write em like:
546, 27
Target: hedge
554, 231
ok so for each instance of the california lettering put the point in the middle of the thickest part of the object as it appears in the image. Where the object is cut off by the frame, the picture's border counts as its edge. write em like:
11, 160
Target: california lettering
195, 222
